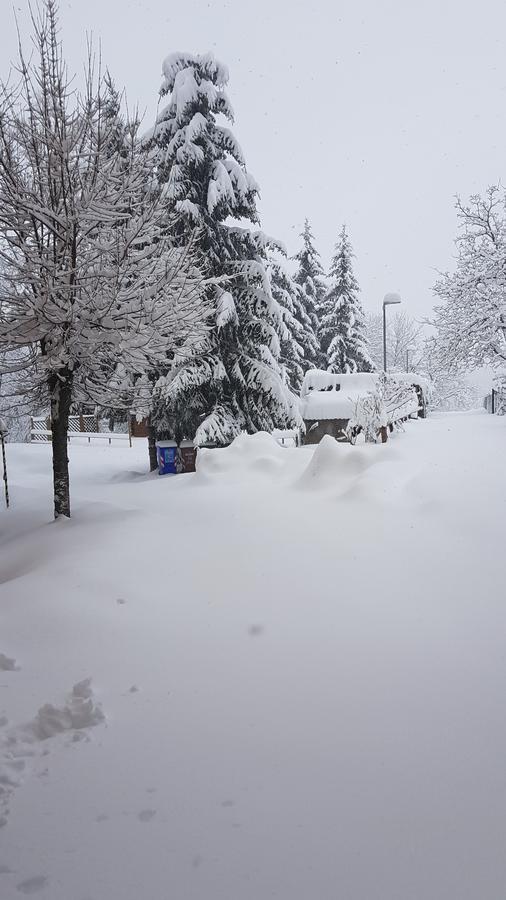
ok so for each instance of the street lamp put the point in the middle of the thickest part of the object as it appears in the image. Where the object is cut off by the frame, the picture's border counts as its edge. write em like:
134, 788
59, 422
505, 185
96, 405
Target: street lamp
388, 300
408, 351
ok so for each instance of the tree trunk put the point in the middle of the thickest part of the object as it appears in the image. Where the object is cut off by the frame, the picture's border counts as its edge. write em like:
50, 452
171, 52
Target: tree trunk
61, 395
153, 461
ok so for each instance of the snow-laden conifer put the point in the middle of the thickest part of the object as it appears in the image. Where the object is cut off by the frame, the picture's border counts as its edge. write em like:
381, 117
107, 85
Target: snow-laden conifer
310, 277
296, 333
234, 382
342, 329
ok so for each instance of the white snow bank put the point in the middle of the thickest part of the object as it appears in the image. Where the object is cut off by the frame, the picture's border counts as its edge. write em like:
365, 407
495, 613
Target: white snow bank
258, 454
321, 673
332, 462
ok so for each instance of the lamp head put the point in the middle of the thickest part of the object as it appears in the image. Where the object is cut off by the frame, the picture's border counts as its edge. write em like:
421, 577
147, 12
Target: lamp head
390, 299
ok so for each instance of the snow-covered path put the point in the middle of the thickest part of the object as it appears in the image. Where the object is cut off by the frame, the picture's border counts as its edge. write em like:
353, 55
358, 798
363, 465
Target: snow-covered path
301, 660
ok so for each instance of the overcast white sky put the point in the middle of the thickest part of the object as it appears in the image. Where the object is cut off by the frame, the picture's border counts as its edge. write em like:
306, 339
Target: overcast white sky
374, 113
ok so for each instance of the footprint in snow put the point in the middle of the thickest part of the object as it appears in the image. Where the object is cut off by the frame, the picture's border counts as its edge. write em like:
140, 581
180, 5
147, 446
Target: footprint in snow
79, 713
32, 885
8, 664
146, 815
120, 601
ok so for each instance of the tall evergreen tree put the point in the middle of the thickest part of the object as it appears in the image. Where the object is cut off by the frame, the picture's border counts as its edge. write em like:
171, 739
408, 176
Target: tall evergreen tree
297, 332
233, 381
311, 279
342, 329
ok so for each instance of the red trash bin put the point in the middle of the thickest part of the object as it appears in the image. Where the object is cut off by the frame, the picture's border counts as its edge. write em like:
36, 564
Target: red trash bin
188, 455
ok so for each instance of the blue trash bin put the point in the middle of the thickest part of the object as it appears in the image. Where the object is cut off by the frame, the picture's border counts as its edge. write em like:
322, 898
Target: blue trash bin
166, 452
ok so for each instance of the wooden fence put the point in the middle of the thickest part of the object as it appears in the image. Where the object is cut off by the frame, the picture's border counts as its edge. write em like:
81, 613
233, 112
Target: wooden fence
82, 426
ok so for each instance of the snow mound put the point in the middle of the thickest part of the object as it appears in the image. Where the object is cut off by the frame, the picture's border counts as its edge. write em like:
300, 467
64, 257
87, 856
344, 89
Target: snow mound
331, 463
254, 453
80, 711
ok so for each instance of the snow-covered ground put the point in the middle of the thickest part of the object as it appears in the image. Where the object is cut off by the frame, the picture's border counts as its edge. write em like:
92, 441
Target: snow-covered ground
297, 663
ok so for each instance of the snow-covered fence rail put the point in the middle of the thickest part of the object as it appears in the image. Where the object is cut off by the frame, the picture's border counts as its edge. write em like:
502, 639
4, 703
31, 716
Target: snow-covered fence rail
45, 434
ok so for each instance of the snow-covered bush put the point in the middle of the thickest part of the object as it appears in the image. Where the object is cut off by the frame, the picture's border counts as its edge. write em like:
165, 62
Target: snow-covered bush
391, 402
369, 416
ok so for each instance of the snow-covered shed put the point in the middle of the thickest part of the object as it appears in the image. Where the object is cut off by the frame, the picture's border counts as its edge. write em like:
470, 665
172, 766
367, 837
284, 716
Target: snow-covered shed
328, 401
371, 400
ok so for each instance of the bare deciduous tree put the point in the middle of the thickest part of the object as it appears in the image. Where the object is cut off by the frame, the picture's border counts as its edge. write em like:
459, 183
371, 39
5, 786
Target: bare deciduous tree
92, 299
471, 320
404, 336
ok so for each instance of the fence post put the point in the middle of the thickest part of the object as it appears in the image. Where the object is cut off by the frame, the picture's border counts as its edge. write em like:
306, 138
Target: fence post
493, 401
6, 485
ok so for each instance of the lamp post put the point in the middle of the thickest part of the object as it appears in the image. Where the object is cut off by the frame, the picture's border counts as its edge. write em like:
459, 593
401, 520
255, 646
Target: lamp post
408, 351
388, 300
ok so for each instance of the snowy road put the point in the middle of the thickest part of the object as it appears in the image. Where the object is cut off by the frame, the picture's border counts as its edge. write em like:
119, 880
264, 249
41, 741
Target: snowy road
301, 661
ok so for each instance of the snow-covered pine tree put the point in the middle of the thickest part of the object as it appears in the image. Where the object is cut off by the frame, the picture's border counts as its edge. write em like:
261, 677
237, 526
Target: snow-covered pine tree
234, 382
115, 129
342, 328
310, 278
297, 331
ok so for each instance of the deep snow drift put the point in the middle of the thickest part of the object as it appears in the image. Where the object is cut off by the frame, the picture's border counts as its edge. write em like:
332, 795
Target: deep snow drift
288, 672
